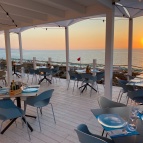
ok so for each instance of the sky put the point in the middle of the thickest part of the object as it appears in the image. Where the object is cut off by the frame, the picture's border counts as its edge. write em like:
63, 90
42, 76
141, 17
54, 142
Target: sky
87, 34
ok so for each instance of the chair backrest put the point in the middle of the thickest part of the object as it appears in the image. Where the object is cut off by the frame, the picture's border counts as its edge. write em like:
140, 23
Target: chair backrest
37, 71
135, 94
85, 136
99, 75
78, 76
44, 96
122, 83
72, 74
106, 103
7, 103
47, 70
88, 76
56, 68
31, 71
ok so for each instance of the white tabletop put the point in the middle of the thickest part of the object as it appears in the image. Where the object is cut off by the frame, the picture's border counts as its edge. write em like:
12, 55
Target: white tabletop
16, 64
21, 94
140, 76
140, 84
136, 80
84, 71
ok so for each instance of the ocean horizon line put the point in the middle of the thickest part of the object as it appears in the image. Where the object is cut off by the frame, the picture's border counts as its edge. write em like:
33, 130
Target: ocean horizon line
141, 48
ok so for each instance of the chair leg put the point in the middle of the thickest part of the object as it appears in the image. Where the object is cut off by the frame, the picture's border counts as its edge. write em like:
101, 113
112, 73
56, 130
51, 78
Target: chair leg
1, 126
38, 119
41, 110
97, 87
5, 82
53, 112
15, 123
119, 96
103, 132
32, 79
74, 86
91, 90
127, 101
68, 85
27, 78
27, 127
77, 83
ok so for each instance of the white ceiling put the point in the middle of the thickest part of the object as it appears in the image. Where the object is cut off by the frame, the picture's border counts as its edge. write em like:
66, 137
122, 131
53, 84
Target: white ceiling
34, 12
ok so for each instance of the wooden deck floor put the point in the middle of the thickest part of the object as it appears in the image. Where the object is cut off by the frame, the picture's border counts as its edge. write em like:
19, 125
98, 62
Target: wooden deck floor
71, 109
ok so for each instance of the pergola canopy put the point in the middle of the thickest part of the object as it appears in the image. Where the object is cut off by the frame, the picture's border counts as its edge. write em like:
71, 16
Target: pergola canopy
27, 13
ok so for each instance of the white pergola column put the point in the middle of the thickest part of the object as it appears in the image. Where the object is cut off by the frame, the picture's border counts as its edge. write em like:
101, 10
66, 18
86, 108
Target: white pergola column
130, 42
8, 56
67, 51
20, 48
109, 53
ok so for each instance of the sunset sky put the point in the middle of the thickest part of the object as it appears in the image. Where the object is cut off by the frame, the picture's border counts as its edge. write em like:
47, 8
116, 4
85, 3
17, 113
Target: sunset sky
87, 34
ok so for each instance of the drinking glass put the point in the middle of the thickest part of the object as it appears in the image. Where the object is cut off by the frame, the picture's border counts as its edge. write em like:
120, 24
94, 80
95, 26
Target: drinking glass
133, 118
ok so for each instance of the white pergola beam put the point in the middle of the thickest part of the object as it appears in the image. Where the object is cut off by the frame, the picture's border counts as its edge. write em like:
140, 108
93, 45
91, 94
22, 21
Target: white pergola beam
16, 18
130, 42
8, 22
24, 13
72, 5
34, 6
109, 53
107, 3
8, 56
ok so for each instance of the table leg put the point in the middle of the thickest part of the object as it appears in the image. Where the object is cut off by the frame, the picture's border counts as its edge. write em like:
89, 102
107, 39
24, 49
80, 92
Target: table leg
91, 87
27, 124
8, 126
31, 116
18, 99
46, 80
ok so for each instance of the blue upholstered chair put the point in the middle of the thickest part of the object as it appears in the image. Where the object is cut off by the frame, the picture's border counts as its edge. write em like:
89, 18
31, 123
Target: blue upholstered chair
125, 88
85, 136
9, 111
106, 103
56, 72
99, 78
34, 73
136, 96
72, 76
40, 101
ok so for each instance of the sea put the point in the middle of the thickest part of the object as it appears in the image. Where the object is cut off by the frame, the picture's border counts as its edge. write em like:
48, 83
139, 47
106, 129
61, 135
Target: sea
120, 56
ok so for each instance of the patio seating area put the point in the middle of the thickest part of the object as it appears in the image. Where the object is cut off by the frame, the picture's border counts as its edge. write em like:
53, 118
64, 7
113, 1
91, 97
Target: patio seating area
70, 108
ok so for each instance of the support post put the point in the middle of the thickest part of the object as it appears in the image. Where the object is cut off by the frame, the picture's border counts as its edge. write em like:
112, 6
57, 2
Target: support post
130, 42
109, 53
20, 48
67, 51
8, 56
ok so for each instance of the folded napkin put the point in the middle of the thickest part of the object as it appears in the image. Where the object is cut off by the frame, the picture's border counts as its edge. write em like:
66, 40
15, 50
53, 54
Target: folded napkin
121, 132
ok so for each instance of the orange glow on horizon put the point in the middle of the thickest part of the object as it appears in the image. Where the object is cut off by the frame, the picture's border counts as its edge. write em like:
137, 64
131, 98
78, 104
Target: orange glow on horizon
142, 42
87, 34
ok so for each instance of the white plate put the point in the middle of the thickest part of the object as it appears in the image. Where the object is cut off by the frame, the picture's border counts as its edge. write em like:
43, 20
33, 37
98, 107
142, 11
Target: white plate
29, 90
111, 121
